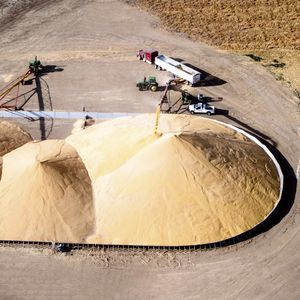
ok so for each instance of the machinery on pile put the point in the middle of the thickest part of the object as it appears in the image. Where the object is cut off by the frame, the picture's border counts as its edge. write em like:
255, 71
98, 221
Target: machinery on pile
34, 67
150, 84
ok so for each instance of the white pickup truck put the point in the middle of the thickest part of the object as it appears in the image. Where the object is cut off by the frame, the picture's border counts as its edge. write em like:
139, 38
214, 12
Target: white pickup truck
201, 108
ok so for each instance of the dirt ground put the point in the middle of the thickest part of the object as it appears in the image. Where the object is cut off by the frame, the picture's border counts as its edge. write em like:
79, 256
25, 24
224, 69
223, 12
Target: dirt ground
89, 50
258, 27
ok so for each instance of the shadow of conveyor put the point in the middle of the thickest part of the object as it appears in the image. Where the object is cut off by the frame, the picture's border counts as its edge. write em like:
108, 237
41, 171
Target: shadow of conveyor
45, 102
42, 91
50, 69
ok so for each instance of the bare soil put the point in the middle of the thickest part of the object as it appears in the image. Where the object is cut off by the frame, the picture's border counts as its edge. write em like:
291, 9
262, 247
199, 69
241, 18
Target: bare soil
266, 28
233, 24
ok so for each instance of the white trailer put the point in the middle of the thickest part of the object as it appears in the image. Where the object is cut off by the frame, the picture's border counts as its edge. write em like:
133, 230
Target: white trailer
163, 62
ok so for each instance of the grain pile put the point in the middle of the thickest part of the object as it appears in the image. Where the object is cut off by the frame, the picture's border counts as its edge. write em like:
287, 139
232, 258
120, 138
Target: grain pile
11, 137
198, 182
45, 194
118, 183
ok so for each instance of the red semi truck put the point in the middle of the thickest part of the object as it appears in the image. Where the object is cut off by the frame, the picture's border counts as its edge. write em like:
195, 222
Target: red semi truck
147, 55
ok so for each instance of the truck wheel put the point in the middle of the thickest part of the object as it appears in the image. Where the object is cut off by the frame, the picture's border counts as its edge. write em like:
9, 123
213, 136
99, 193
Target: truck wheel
153, 88
192, 112
208, 113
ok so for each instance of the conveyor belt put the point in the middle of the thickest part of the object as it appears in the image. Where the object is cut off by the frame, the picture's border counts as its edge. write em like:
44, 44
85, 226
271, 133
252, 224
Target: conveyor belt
61, 114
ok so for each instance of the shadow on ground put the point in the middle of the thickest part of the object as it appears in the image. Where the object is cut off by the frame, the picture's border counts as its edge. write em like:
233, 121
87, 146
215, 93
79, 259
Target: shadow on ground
246, 127
207, 79
42, 91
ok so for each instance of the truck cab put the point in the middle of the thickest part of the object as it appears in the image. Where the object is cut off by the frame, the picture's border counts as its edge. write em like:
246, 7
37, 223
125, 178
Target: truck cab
147, 55
201, 108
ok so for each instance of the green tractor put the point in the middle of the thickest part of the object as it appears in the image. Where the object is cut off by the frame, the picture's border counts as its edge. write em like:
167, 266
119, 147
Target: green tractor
186, 97
150, 84
35, 66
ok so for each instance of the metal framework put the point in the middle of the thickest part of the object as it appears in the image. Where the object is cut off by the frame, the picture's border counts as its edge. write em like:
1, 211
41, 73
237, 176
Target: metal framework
9, 88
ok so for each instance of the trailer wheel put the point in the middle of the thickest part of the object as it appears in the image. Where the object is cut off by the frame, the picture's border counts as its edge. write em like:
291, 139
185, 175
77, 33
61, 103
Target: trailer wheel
153, 88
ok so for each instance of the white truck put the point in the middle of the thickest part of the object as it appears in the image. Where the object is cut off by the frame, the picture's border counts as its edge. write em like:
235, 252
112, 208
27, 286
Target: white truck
202, 108
163, 62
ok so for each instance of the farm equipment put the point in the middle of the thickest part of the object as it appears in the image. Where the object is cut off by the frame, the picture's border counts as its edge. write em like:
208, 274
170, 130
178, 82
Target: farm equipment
150, 84
5, 93
61, 247
35, 66
186, 97
178, 69
147, 55
201, 108
168, 84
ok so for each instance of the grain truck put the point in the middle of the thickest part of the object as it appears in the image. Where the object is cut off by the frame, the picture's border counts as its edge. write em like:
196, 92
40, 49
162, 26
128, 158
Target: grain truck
178, 69
147, 55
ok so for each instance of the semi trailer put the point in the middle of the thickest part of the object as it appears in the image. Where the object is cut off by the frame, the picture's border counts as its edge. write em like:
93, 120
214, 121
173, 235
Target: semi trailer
178, 69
